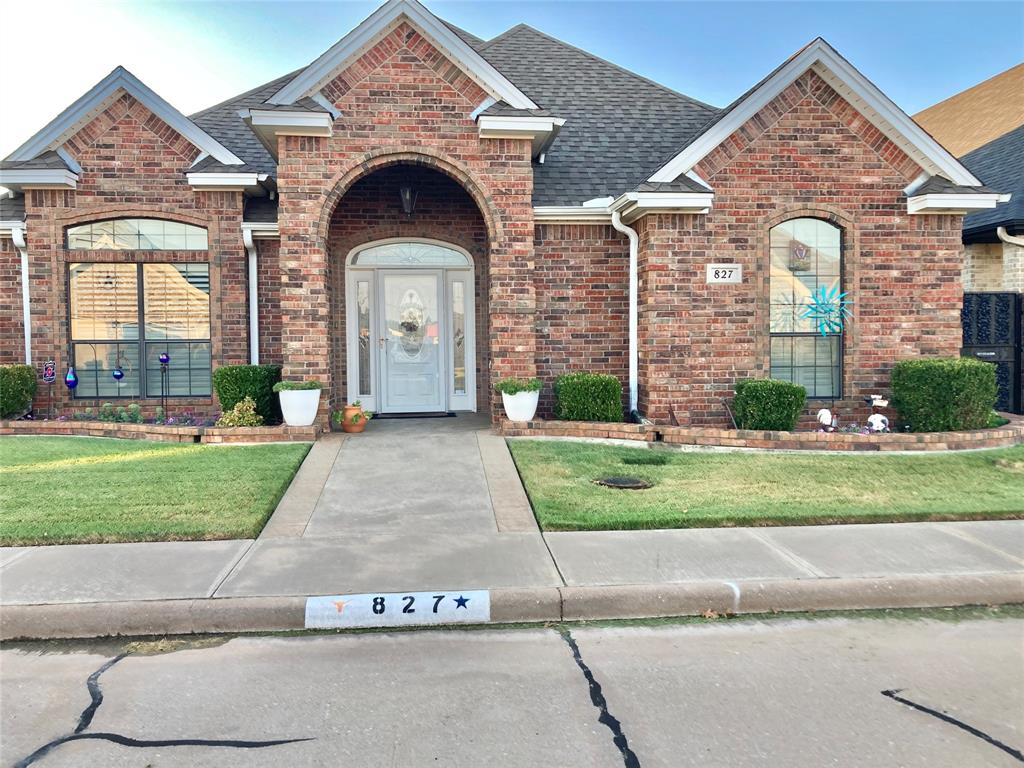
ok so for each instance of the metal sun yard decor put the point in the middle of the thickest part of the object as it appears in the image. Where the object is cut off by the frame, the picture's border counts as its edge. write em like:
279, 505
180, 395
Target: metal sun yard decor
829, 309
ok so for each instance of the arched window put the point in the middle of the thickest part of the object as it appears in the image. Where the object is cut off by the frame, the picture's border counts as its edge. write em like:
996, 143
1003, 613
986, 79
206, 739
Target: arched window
409, 253
137, 235
806, 254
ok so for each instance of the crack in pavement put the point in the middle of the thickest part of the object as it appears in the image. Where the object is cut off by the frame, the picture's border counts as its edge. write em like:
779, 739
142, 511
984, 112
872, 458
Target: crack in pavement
96, 699
1014, 753
606, 718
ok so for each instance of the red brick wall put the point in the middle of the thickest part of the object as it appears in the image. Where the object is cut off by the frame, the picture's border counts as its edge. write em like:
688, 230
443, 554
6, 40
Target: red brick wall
12, 329
582, 288
402, 102
808, 153
268, 289
133, 165
371, 210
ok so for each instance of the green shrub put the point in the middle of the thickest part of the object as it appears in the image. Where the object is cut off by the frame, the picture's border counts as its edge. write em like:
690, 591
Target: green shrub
944, 393
291, 386
17, 388
106, 412
515, 386
233, 383
583, 396
242, 415
768, 404
135, 413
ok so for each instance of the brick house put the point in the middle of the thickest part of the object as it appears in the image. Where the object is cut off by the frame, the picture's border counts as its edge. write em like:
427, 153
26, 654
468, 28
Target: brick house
419, 213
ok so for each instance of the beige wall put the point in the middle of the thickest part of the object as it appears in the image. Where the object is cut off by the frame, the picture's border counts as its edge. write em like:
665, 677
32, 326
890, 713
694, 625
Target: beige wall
994, 267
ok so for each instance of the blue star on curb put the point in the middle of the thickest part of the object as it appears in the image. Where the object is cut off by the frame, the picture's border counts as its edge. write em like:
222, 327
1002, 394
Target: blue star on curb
460, 602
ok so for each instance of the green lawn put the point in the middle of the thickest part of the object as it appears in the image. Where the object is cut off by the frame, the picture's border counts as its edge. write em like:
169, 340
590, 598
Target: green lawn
73, 490
697, 489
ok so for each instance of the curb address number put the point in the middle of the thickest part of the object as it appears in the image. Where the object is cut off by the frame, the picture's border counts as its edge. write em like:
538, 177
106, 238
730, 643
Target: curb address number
390, 609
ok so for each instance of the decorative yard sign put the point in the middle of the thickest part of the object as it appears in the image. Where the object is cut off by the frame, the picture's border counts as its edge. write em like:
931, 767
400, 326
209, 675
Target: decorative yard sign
724, 273
49, 372
394, 609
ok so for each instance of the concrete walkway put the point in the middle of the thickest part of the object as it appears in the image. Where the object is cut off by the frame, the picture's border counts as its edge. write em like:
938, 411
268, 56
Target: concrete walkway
436, 504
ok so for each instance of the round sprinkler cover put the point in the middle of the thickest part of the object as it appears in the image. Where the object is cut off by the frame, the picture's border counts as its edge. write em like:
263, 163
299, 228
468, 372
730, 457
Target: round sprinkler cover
624, 483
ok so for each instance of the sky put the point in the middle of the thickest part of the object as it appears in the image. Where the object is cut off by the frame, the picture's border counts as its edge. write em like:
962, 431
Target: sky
198, 53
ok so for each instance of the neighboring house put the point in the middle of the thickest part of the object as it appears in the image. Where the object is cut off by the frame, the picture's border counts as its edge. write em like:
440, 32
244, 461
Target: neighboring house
419, 213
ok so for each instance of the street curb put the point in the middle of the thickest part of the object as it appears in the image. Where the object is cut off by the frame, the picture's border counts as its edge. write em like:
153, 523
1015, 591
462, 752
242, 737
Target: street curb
527, 605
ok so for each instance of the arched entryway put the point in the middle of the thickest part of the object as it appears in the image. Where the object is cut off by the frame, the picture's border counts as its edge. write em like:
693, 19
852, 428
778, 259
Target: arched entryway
409, 325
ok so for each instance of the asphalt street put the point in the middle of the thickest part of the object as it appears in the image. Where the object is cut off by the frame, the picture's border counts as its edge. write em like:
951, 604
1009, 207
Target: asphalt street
906, 690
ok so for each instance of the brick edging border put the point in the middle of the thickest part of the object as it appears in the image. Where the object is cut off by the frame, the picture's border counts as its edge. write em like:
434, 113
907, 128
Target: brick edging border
163, 433
996, 437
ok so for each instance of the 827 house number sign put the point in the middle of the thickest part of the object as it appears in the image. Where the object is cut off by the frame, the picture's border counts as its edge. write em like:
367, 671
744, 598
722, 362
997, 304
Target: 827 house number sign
392, 609
724, 273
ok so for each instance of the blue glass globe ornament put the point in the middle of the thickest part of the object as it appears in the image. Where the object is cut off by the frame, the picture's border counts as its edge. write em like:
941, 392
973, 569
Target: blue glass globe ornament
164, 358
117, 373
71, 378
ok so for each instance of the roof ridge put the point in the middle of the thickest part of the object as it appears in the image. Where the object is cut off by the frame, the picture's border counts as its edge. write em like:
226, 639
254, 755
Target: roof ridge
526, 27
250, 92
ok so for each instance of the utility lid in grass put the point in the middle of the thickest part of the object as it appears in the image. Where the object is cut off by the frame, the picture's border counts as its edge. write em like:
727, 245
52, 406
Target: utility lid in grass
624, 483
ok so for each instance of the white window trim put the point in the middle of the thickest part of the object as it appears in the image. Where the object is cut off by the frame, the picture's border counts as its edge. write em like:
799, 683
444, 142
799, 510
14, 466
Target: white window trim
379, 23
851, 84
68, 121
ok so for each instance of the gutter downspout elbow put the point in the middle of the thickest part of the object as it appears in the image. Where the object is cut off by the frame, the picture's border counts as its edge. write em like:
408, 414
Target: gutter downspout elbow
1006, 237
634, 246
18, 236
254, 317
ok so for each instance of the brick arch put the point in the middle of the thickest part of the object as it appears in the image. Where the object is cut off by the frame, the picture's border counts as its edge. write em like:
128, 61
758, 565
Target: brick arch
131, 211
424, 157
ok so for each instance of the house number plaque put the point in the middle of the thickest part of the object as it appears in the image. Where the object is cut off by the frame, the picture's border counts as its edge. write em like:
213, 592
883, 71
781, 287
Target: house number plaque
393, 609
724, 273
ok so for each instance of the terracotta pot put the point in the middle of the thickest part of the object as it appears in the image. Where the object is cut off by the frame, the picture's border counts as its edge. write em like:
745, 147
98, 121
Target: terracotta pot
346, 419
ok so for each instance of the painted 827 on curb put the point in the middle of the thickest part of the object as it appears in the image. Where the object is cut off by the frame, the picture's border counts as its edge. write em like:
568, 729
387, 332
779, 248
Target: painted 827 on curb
392, 609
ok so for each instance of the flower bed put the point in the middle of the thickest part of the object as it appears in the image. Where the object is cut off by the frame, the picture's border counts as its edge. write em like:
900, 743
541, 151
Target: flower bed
163, 432
997, 437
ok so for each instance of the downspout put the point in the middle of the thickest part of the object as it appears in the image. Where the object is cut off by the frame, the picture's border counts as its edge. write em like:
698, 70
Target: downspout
634, 246
1006, 237
254, 316
18, 236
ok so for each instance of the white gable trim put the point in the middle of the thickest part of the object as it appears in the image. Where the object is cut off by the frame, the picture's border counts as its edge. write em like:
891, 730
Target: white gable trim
954, 203
850, 84
18, 179
366, 34
540, 130
96, 97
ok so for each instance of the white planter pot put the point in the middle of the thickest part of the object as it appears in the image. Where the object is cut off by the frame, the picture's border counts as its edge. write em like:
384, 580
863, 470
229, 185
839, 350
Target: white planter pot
299, 406
521, 406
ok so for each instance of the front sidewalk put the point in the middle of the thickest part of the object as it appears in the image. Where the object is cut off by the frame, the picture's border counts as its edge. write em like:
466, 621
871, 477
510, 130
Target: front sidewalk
437, 505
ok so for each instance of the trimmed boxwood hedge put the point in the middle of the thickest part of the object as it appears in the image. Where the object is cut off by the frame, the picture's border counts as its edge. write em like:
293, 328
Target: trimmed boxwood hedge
17, 388
943, 394
583, 396
768, 404
234, 383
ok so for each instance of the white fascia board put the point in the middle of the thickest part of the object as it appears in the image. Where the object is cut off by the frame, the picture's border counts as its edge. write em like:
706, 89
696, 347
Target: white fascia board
50, 177
363, 36
633, 205
954, 203
571, 214
225, 181
284, 122
540, 130
880, 107
261, 228
94, 99
7, 226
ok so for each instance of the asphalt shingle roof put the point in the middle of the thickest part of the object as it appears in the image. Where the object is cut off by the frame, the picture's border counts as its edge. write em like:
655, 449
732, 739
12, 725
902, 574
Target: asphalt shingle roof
49, 160
940, 185
12, 209
1000, 165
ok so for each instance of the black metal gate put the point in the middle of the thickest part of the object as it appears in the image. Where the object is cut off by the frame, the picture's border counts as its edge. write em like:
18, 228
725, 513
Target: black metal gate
992, 332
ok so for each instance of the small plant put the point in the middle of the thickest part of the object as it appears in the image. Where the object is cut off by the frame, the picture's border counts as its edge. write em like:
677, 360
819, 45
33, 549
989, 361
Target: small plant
291, 386
944, 394
995, 420
352, 418
159, 417
513, 386
17, 388
106, 412
768, 404
134, 413
583, 396
234, 382
242, 415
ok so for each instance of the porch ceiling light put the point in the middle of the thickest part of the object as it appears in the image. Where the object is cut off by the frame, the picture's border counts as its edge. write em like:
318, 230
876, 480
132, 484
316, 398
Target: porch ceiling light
408, 195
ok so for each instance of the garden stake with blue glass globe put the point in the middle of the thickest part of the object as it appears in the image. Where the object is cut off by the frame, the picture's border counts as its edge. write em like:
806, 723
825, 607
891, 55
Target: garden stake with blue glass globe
71, 379
829, 309
165, 361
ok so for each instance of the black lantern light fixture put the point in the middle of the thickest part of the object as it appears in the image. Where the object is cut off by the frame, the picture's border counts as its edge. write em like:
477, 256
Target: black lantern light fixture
408, 195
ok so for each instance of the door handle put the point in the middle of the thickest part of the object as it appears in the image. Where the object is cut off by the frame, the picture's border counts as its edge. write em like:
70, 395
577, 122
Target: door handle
382, 341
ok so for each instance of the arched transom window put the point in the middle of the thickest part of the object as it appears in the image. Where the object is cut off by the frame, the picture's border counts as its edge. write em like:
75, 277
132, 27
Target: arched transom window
806, 255
407, 253
137, 235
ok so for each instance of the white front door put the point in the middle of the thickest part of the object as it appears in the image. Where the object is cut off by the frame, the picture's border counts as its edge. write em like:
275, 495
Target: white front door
411, 346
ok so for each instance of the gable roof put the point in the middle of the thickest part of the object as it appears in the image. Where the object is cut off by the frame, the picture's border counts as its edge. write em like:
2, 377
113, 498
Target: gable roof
68, 121
979, 115
617, 123
1001, 164
440, 34
852, 86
